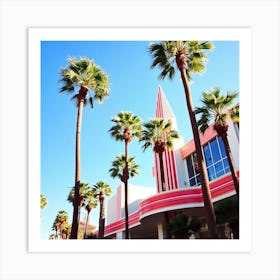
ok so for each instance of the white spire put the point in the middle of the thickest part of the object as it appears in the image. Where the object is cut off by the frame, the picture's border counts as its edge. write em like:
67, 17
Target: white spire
163, 109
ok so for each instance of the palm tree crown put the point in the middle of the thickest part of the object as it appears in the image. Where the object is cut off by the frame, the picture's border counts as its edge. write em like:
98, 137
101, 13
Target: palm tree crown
102, 187
127, 126
159, 134
43, 201
60, 222
84, 190
216, 108
188, 55
84, 73
118, 166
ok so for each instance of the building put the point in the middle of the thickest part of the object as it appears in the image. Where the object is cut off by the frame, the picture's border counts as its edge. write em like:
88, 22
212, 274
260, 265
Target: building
150, 207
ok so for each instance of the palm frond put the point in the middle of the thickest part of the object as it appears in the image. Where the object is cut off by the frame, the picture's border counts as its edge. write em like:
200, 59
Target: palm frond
162, 59
216, 108
118, 166
126, 121
164, 54
84, 72
235, 114
157, 131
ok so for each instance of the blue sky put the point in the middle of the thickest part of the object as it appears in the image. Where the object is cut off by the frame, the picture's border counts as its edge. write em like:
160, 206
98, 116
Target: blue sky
133, 87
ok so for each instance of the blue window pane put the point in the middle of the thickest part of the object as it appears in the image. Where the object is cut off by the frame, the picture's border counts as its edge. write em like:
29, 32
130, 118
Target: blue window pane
192, 182
190, 167
211, 173
222, 147
219, 169
215, 151
226, 165
197, 180
207, 155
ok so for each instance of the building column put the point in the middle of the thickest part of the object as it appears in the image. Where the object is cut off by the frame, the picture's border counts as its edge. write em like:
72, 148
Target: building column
119, 235
160, 231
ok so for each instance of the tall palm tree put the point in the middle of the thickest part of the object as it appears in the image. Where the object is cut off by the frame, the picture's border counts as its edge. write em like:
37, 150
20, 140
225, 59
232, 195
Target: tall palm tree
84, 188
92, 202
127, 126
189, 57
216, 107
85, 76
101, 189
159, 134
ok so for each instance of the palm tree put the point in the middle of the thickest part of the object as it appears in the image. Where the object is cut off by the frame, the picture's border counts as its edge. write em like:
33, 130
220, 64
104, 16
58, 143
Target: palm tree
66, 231
85, 75
118, 166
92, 202
55, 227
60, 221
216, 107
127, 126
101, 189
159, 134
84, 188
190, 58
43, 201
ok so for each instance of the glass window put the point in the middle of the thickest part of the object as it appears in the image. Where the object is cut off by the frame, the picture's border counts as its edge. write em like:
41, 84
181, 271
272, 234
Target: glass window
211, 173
193, 174
197, 180
192, 182
216, 162
207, 154
190, 166
226, 165
219, 169
215, 150
222, 147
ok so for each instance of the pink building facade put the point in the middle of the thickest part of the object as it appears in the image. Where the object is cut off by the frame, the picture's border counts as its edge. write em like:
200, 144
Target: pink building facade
148, 206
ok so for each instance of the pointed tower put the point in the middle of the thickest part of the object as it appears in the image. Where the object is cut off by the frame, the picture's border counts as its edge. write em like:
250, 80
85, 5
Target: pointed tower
163, 110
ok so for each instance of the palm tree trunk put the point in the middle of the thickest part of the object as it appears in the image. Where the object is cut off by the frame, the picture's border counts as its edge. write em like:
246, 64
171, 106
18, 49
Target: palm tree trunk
126, 192
209, 209
87, 219
101, 216
230, 162
163, 187
60, 231
76, 211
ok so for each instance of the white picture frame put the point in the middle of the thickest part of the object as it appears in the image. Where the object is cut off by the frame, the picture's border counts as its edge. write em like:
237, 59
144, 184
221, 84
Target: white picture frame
261, 261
